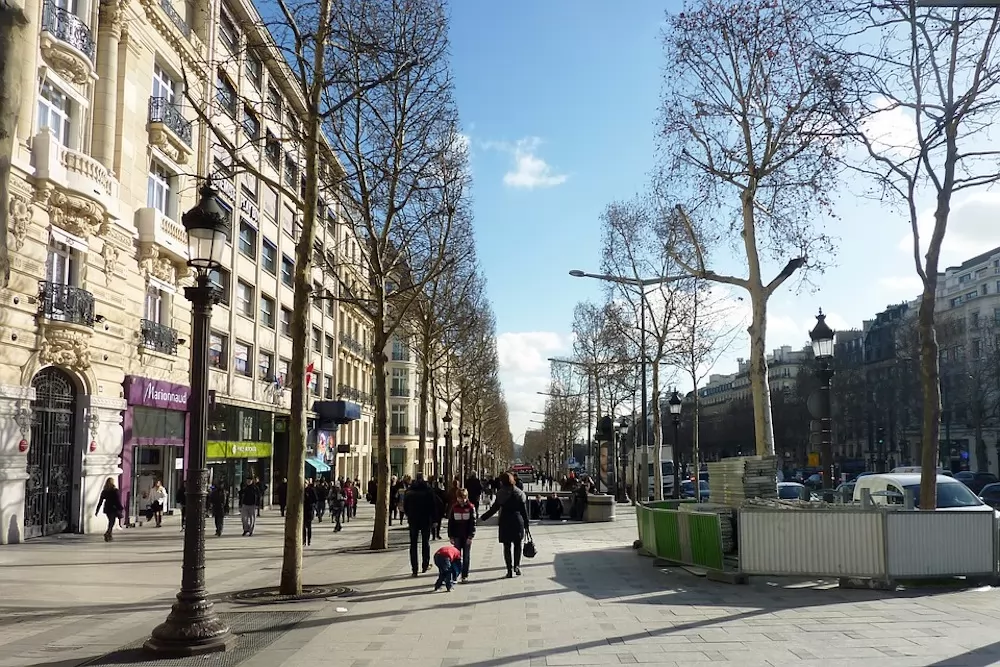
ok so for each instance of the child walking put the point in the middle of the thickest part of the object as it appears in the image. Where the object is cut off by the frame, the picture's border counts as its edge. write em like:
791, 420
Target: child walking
448, 560
462, 528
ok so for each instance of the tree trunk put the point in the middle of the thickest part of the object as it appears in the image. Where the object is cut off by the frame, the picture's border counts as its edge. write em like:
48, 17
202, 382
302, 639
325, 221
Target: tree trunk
695, 444
425, 381
759, 385
291, 561
657, 458
380, 531
930, 384
12, 33
449, 453
434, 416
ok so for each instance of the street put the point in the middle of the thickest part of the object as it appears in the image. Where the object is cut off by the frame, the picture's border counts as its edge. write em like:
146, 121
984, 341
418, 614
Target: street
586, 599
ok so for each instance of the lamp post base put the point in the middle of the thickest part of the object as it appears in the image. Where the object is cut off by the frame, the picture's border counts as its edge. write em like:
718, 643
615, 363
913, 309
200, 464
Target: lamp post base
192, 628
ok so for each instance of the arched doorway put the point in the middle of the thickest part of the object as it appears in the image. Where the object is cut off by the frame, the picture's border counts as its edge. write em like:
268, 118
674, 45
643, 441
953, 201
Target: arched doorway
47, 493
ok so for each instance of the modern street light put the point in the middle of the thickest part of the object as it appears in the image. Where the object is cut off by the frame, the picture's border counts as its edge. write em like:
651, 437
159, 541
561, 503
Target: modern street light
642, 284
675, 414
193, 627
822, 342
448, 449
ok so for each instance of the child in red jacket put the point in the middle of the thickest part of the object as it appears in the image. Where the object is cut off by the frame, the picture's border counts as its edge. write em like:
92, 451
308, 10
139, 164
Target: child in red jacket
462, 528
448, 560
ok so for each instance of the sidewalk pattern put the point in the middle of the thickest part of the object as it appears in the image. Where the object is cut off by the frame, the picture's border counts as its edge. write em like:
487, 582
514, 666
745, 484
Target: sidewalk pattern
587, 599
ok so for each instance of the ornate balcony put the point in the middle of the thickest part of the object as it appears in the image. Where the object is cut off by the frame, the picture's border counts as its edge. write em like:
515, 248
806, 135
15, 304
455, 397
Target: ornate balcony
66, 324
78, 190
65, 303
165, 19
175, 18
399, 392
157, 337
67, 43
354, 346
169, 130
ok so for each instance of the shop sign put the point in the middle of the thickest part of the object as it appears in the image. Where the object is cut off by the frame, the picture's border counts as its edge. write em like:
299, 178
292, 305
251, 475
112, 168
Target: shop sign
152, 393
221, 449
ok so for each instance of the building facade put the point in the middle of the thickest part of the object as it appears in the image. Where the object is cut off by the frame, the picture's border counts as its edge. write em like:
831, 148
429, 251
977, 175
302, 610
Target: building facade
94, 354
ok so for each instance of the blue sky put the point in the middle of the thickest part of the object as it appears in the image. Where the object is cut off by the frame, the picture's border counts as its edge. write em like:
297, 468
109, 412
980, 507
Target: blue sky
559, 99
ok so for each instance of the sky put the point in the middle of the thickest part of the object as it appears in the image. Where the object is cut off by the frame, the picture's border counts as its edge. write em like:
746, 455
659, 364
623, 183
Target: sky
559, 100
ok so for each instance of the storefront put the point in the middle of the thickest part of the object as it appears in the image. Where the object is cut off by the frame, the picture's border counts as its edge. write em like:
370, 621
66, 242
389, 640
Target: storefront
155, 438
239, 447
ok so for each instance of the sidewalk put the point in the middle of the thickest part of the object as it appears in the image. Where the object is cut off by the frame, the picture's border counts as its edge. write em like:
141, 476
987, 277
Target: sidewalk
587, 599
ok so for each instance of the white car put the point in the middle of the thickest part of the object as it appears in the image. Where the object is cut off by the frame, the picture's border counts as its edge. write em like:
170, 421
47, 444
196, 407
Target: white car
891, 488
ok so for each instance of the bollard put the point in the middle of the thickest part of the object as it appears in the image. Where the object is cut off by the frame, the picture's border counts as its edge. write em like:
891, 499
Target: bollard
866, 499
909, 501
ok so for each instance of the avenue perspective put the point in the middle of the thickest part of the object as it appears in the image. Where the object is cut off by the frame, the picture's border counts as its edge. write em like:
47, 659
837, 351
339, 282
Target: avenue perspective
306, 357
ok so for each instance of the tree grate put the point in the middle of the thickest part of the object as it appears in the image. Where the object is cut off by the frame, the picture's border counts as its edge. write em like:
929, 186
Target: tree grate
270, 595
254, 633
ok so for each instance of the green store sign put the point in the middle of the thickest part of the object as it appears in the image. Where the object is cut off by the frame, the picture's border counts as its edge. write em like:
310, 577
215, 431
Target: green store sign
221, 449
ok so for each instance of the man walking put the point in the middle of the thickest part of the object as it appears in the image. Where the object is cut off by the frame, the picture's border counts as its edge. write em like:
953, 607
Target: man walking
249, 498
419, 506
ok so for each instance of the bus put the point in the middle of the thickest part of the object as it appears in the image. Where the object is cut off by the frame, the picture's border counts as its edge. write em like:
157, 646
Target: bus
525, 472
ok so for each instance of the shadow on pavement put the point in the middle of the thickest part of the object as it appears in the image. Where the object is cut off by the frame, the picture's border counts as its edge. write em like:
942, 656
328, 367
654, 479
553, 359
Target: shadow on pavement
978, 657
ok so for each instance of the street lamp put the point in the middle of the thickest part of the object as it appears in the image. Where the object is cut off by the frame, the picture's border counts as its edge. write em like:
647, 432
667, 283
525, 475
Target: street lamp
622, 495
642, 284
448, 449
675, 414
822, 342
193, 627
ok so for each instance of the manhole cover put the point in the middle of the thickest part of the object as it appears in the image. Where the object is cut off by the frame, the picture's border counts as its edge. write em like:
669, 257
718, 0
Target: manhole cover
270, 595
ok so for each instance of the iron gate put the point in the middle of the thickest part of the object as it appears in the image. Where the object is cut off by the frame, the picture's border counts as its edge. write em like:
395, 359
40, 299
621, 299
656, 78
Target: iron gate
47, 499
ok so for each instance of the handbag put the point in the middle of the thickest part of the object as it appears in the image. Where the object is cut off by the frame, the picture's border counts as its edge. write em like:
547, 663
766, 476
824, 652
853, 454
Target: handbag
529, 550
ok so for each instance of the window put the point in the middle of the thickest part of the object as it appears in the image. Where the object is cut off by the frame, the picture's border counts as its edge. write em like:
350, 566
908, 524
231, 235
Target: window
400, 382
328, 387
241, 359
977, 349
248, 239
163, 84
291, 171
288, 220
55, 110
274, 102
269, 257
400, 352
974, 320
317, 340
254, 69
60, 267
220, 278
964, 279
227, 31
158, 188
287, 271
250, 185
265, 365
330, 348
286, 322
244, 299
272, 150
399, 419
218, 352
226, 95
282, 371
267, 306
318, 290
251, 124
314, 384
155, 307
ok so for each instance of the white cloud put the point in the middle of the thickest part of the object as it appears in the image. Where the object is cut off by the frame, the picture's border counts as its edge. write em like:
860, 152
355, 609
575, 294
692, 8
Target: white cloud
528, 171
524, 371
896, 289
892, 129
972, 228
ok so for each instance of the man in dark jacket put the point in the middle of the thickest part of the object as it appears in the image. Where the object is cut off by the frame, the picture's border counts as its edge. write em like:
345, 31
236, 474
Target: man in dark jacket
283, 495
462, 528
475, 489
419, 506
249, 497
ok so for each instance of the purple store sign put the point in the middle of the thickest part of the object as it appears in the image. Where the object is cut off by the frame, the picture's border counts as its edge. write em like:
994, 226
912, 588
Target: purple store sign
156, 393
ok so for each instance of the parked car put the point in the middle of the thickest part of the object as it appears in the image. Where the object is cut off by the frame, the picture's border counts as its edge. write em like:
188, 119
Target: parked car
687, 489
790, 490
891, 488
991, 495
976, 480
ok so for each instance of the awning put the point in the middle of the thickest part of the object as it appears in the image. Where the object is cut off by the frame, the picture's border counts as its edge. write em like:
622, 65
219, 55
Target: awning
317, 465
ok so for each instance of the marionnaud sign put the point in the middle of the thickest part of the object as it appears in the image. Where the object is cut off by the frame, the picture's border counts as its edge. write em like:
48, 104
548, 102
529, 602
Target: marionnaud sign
156, 393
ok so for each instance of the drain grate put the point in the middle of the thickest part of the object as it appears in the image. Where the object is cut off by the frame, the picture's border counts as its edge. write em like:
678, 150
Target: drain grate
270, 594
254, 631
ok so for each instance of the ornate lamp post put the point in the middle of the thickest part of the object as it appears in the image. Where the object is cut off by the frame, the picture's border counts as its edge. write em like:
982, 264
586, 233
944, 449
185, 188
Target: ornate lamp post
449, 454
822, 343
675, 415
192, 627
622, 493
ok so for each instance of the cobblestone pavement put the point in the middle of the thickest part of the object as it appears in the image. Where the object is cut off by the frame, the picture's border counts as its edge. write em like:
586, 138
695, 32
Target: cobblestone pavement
587, 599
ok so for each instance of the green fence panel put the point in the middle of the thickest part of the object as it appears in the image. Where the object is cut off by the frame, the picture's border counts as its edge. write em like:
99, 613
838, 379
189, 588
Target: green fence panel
705, 533
667, 534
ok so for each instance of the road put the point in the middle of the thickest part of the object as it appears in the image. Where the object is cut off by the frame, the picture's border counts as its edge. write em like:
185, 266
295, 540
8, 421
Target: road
587, 599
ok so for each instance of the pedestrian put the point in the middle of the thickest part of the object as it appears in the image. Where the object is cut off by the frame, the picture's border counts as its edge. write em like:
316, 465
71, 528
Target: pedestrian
337, 501
157, 501
512, 506
419, 507
462, 528
440, 510
394, 487
309, 502
355, 490
248, 506
111, 501
217, 505
322, 490
261, 494
372, 492
475, 489
179, 500
349, 494
448, 560
282, 493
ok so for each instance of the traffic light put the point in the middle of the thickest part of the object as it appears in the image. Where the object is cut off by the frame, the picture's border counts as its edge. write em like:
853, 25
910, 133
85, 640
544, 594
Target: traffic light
880, 436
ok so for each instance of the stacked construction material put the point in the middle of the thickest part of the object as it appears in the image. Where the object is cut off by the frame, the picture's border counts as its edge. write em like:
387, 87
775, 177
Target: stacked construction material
731, 481
726, 521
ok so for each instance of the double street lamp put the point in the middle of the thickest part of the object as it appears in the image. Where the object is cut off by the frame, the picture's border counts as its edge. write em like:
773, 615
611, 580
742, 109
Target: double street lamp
822, 337
193, 627
675, 404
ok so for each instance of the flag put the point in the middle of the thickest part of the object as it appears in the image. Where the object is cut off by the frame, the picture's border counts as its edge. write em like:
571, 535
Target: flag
309, 372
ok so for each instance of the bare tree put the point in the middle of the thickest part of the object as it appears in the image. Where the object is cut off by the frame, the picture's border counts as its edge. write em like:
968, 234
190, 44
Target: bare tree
748, 152
13, 36
930, 81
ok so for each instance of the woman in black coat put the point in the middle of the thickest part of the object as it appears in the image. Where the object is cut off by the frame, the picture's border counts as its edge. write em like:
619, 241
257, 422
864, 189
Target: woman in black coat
111, 501
513, 507
309, 502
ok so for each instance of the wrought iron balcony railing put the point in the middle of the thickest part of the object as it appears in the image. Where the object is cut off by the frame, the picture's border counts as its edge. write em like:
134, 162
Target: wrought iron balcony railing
399, 430
65, 303
161, 110
69, 28
175, 18
158, 337
398, 392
